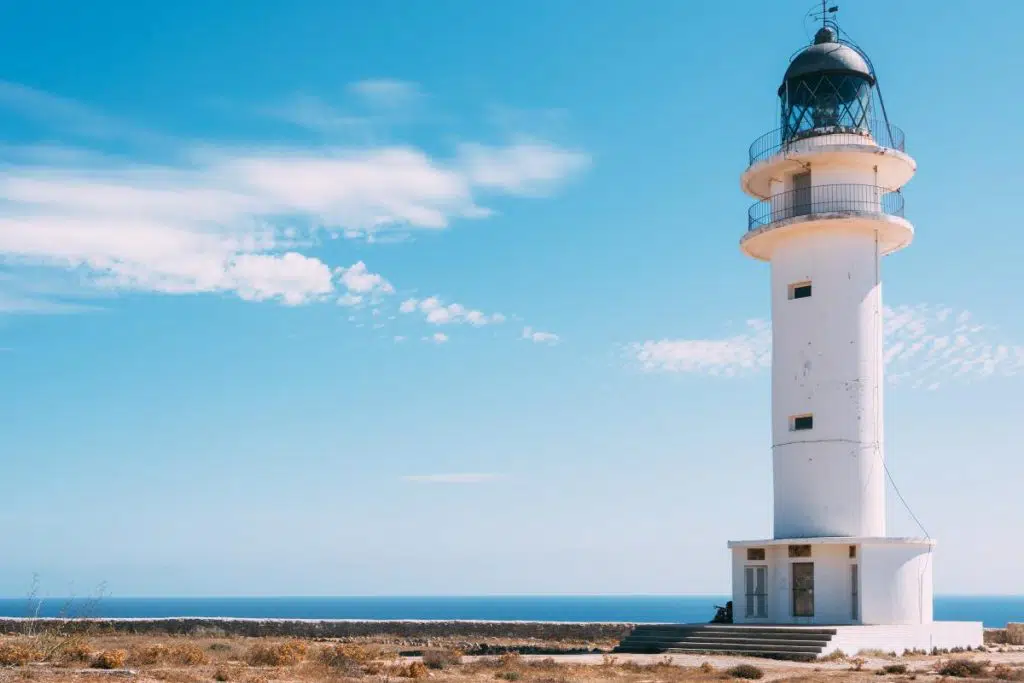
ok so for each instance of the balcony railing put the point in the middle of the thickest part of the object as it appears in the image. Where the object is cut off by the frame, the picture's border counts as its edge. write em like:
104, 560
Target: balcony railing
877, 133
821, 199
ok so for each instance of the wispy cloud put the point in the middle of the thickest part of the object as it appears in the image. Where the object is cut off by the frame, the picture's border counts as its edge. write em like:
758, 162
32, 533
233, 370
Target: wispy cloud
238, 219
312, 113
742, 353
462, 478
386, 93
523, 168
925, 347
538, 337
436, 312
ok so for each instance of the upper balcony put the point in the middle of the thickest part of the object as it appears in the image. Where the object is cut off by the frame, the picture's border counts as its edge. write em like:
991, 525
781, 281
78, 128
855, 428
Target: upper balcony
876, 133
876, 148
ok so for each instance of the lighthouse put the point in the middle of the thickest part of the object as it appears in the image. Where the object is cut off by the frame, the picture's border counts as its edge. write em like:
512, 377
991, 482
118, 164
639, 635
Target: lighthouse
827, 185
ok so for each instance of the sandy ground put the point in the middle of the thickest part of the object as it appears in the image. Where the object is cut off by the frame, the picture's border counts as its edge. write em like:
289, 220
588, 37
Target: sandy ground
191, 660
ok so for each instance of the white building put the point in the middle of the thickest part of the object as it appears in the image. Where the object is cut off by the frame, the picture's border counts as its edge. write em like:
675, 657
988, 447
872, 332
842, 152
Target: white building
829, 208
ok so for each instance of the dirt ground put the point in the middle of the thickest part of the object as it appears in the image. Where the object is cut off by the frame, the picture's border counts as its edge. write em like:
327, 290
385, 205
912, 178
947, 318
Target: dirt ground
180, 659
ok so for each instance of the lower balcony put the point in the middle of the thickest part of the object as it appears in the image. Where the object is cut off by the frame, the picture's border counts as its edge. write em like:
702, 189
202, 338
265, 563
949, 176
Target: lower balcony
825, 199
843, 206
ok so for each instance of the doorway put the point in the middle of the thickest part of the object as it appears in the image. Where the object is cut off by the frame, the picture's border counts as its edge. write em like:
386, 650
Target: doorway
802, 194
803, 589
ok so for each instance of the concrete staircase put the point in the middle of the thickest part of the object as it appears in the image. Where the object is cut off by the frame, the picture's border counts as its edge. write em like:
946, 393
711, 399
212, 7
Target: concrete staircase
778, 642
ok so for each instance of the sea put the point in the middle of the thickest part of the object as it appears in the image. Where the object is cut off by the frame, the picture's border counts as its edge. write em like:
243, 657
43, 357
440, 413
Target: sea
993, 611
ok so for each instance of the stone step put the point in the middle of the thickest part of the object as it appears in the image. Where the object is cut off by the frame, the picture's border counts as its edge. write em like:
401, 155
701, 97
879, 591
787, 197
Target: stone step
771, 654
782, 647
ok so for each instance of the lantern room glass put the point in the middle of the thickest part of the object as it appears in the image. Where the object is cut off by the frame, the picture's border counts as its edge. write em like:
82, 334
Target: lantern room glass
822, 103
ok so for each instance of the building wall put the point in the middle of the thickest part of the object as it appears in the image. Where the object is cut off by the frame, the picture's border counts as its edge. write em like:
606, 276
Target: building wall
896, 584
827, 361
832, 585
944, 635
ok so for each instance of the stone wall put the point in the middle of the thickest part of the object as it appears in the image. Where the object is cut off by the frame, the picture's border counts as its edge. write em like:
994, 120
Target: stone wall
337, 628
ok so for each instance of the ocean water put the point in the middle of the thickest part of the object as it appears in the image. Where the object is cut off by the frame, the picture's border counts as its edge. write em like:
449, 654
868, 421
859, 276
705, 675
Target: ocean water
994, 611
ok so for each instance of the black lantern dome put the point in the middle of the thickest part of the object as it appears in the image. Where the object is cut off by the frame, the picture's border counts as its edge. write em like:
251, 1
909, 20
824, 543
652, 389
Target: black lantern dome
827, 89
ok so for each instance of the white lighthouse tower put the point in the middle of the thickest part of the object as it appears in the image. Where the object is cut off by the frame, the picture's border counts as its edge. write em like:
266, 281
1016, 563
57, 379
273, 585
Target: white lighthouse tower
829, 207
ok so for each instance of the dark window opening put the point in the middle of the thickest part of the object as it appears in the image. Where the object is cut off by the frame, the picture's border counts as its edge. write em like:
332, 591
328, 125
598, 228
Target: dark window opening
800, 291
802, 422
853, 552
799, 551
755, 554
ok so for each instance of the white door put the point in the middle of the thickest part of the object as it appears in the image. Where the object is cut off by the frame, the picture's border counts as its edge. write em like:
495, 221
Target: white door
756, 579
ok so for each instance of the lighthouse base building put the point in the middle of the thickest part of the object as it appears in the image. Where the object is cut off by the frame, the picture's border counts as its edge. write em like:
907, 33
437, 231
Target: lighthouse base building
829, 207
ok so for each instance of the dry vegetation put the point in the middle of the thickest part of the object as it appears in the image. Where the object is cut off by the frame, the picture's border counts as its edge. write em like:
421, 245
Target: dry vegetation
179, 659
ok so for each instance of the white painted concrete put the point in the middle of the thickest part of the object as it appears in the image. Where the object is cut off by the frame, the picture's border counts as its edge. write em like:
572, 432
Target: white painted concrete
894, 574
897, 583
898, 638
827, 362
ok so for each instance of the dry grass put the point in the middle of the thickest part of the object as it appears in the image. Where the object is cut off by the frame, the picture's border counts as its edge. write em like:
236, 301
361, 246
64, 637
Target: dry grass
287, 653
442, 659
110, 659
18, 653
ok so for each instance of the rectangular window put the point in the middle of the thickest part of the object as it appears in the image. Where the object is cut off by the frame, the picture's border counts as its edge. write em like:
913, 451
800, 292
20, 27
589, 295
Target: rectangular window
756, 579
854, 592
800, 290
853, 552
803, 589
799, 423
755, 554
799, 551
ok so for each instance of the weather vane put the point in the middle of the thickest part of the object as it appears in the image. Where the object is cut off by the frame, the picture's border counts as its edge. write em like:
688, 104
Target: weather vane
825, 11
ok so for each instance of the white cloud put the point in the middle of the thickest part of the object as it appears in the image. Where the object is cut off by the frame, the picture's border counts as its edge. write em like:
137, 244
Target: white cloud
525, 168
436, 312
739, 354
439, 338
925, 346
539, 337
312, 113
235, 219
386, 93
358, 280
461, 478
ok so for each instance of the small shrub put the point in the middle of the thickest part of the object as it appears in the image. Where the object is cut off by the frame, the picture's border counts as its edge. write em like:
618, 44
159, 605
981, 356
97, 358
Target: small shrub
963, 668
288, 653
1007, 673
442, 659
894, 669
222, 674
508, 675
74, 650
876, 653
747, 671
18, 653
219, 647
834, 656
345, 655
148, 655
510, 660
186, 654
857, 664
416, 670
706, 668
110, 659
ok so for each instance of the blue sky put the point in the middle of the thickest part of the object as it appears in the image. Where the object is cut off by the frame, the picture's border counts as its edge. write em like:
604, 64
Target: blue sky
411, 298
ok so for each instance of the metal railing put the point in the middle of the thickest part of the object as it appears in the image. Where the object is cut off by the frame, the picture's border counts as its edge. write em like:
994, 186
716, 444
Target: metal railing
877, 132
821, 199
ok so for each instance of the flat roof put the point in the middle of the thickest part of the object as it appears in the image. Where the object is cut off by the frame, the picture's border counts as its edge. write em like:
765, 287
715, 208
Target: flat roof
836, 540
